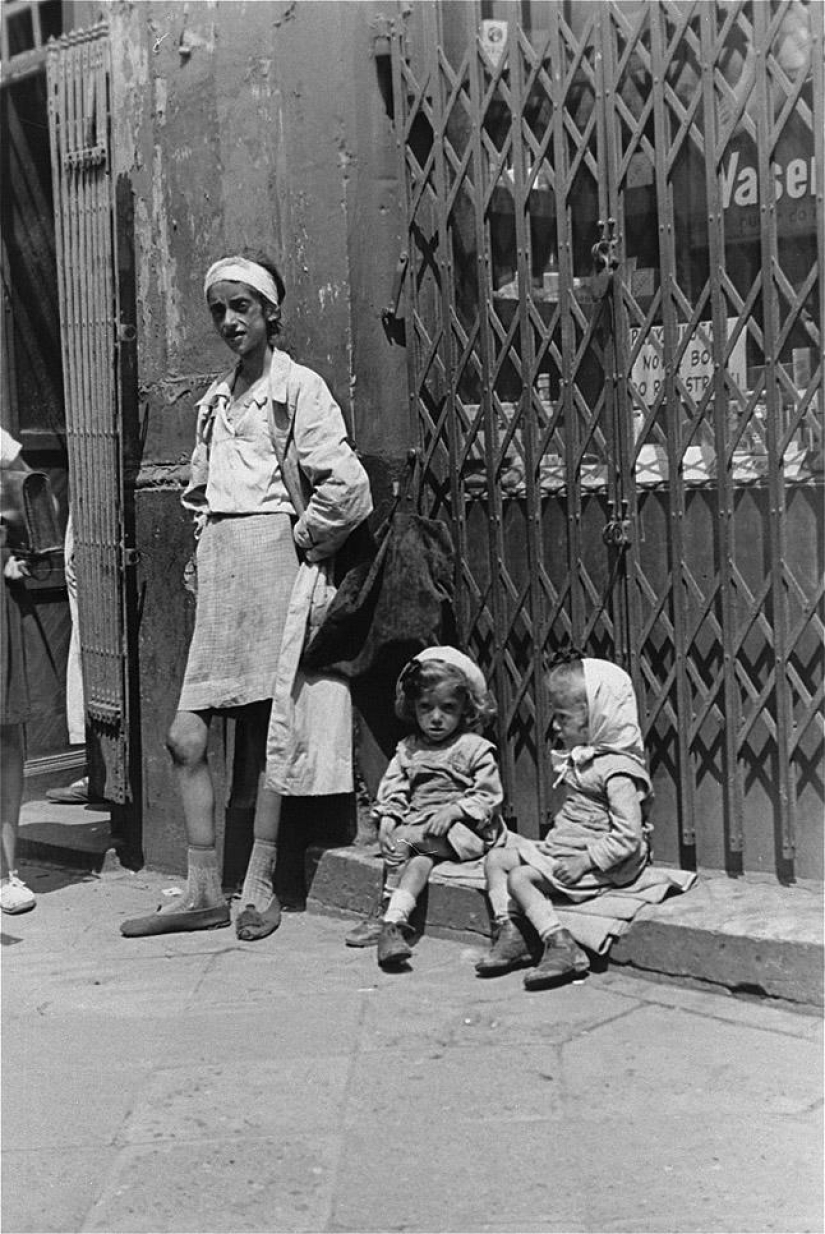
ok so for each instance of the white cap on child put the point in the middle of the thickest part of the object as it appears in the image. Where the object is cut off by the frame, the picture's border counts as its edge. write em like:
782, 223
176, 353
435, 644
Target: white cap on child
451, 655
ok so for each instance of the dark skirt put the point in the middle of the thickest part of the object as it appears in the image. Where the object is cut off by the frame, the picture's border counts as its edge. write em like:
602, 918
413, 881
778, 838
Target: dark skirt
14, 684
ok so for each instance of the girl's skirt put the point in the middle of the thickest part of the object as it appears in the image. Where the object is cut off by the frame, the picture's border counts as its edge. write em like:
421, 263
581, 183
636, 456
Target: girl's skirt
246, 568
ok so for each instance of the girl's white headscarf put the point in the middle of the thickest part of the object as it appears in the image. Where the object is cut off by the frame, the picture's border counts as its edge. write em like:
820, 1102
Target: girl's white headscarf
241, 270
613, 719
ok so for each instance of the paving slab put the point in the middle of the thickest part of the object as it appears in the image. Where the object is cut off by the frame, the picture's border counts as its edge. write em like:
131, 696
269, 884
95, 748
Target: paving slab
196, 1083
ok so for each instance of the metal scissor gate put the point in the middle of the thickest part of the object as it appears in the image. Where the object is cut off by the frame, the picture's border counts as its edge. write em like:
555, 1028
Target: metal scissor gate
79, 78
614, 304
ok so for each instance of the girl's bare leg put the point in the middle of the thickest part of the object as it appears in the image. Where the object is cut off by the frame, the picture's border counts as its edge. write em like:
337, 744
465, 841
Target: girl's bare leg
260, 909
498, 864
187, 742
528, 888
11, 788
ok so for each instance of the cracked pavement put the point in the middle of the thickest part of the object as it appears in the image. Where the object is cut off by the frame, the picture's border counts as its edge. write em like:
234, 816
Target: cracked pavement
195, 1083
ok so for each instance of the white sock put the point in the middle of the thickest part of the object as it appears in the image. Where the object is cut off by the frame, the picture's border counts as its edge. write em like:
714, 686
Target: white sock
203, 882
499, 902
258, 888
400, 906
543, 917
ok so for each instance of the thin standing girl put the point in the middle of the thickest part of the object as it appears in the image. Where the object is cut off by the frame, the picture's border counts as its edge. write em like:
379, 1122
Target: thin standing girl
275, 489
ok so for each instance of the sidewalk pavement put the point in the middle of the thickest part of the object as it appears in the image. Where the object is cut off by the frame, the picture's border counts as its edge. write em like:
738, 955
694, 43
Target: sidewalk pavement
746, 936
196, 1083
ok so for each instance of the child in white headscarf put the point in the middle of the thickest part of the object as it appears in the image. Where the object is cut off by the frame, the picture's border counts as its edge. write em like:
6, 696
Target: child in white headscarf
599, 838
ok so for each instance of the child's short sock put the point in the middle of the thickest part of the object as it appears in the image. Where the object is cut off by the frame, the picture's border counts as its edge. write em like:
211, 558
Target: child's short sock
258, 888
543, 919
499, 898
392, 877
400, 907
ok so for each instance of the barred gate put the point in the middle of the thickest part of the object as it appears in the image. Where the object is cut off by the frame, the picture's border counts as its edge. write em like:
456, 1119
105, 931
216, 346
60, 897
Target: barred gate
79, 81
614, 303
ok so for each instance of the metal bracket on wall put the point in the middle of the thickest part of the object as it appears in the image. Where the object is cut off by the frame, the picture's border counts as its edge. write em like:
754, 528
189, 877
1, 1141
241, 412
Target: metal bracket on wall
389, 314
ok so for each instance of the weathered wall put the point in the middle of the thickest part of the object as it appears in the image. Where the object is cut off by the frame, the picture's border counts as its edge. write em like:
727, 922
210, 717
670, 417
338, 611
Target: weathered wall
245, 124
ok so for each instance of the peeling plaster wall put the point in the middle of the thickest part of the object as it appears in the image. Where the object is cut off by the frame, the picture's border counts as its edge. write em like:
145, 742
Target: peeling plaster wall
245, 123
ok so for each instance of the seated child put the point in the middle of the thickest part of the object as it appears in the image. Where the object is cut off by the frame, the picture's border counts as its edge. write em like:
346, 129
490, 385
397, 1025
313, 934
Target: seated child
439, 797
599, 837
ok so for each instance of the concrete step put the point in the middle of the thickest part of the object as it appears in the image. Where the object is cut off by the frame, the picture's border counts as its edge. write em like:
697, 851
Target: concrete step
750, 937
78, 836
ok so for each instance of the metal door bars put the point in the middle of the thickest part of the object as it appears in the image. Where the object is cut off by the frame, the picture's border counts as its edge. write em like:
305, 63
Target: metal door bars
536, 429
79, 78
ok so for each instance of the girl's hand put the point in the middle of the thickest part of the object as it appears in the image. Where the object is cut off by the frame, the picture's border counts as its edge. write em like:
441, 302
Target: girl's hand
385, 829
14, 568
442, 821
569, 870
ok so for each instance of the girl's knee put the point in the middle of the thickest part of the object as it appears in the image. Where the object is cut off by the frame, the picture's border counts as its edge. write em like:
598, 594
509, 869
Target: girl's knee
186, 743
519, 877
500, 860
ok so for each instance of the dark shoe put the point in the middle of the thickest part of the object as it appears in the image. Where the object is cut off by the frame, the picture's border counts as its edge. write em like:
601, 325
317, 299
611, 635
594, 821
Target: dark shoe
563, 958
250, 925
510, 950
392, 946
177, 923
368, 931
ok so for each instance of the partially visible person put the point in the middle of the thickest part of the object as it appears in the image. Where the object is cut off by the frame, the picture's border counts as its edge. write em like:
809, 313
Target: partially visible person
15, 896
440, 797
76, 793
599, 838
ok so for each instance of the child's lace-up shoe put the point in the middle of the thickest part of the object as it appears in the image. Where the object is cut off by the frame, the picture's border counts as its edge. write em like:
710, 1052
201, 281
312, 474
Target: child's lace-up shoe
368, 931
510, 950
563, 957
393, 948
15, 896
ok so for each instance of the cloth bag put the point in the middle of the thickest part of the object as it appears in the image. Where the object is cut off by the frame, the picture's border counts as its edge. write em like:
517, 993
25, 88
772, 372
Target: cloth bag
402, 597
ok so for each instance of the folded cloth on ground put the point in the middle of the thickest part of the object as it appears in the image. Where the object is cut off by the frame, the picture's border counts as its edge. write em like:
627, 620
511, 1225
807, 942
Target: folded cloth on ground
596, 923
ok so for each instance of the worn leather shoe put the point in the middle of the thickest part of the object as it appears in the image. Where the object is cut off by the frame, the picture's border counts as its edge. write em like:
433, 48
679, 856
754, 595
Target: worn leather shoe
393, 948
509, 950
563, 958
180, 922
368, 931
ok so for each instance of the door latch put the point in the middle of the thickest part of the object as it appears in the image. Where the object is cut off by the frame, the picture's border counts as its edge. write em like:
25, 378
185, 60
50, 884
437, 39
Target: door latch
389, 314
616, 533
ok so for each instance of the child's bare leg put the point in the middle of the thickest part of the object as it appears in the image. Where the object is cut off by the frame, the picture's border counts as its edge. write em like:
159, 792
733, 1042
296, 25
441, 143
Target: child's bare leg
393, 948
414, 879
529, 888
498, 864
562, 958
509, 948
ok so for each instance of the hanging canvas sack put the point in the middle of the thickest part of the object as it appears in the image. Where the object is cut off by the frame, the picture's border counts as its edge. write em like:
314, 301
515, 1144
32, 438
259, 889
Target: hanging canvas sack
402, 598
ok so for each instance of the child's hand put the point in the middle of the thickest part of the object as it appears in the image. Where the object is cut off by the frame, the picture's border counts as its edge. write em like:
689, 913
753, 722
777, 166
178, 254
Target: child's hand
442, 821
385, 829
569, 870
14, 568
